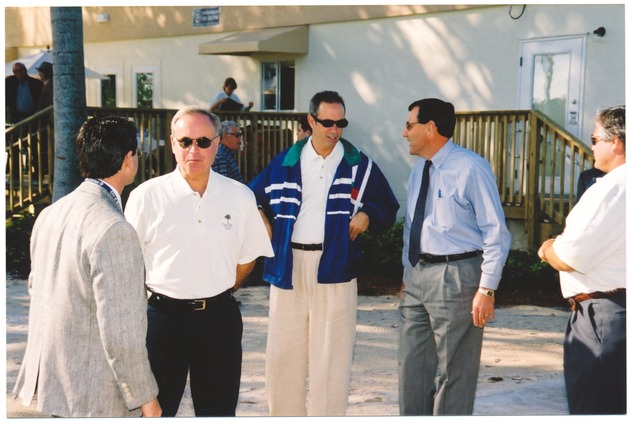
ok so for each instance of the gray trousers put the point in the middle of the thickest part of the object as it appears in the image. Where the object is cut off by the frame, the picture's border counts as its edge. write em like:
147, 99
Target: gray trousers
437, 331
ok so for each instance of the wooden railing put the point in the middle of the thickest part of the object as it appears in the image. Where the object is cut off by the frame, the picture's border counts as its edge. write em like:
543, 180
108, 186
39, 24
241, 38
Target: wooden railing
536, 163
29, 162
265, 135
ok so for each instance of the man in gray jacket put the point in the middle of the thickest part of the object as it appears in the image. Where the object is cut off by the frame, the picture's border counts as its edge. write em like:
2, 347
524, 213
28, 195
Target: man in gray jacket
86, 354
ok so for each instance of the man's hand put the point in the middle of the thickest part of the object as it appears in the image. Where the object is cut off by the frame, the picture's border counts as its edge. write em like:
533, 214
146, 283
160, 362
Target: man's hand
151, 409
482, 309
358, 224
242, 271
547, 254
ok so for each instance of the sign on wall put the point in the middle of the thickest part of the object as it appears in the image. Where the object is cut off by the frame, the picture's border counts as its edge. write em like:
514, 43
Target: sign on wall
206, 16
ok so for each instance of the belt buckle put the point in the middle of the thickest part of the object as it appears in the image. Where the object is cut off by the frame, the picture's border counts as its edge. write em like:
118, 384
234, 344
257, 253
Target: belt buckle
202, 302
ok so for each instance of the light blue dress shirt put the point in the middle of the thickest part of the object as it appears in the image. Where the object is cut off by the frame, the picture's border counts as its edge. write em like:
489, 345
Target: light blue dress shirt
463, 211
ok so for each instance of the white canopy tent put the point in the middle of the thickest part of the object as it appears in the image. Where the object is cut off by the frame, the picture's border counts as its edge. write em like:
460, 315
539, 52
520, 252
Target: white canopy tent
33, 61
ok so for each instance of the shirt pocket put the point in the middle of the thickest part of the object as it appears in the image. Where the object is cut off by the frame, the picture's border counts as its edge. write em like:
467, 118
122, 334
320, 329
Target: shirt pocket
445, 211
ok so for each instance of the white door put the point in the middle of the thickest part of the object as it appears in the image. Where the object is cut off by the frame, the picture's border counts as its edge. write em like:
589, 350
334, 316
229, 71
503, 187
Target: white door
552, 72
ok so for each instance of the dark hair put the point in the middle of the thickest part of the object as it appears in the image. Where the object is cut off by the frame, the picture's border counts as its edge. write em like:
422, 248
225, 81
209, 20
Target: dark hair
441, 112
613, 121
102, 144
230, 82
47, 71
325, 97
303, 122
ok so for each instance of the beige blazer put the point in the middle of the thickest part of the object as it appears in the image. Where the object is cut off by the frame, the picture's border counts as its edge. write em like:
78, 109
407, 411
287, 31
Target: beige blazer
86, 352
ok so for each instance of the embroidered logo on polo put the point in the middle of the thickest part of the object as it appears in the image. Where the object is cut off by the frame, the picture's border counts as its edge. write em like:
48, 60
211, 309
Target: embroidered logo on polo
226, 223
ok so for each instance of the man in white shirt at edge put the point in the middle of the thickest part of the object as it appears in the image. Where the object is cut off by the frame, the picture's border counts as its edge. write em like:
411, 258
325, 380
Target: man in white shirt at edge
591, 257
200, 233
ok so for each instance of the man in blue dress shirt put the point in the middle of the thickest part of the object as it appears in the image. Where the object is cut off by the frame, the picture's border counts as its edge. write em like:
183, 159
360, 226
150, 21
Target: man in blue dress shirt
453, 256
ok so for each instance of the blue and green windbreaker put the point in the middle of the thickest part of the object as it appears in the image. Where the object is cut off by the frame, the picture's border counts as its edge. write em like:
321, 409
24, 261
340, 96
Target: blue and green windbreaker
358, 184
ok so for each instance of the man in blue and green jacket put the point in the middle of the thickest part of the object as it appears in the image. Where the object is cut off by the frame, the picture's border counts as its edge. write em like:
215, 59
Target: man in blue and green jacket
319, 195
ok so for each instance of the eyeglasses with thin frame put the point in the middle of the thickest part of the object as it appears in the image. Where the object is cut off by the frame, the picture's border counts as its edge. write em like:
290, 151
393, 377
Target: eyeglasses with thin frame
202, 142
410, 125
329, 123
236, 134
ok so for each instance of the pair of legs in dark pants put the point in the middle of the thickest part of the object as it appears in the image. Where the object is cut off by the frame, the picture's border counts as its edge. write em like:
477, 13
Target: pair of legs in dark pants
208, 343
595, 357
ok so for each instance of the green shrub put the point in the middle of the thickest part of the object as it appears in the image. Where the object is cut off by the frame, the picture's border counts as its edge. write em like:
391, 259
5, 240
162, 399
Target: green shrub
382, 253
18, 238
525, 271
381, 263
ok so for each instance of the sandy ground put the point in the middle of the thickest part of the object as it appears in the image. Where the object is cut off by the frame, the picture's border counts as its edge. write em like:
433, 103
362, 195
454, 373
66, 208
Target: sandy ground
521, 361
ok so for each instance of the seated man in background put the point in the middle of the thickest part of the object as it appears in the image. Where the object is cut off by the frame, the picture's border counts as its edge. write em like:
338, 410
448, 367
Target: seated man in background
231, 141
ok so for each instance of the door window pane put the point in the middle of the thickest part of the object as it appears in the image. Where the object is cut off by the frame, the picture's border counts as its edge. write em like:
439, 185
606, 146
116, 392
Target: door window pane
270, 85
144, 90
551, 85
278, 85
108, 92
287, 86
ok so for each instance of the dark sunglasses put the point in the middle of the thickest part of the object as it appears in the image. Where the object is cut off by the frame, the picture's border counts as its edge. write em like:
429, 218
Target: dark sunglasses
236, 134
202, 142
595, 140
329, 123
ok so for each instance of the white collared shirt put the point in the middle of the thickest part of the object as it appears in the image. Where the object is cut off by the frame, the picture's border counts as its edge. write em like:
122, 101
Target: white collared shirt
109, 188
192, 243
594, 239
118, 199
317, 176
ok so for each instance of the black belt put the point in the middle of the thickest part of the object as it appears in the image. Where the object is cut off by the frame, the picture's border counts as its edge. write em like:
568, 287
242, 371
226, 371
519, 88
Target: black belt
573, 301
434, 259
161, 301
308, 247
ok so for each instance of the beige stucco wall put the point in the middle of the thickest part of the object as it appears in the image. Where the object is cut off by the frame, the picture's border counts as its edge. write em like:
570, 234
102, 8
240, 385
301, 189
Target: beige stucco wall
141, 22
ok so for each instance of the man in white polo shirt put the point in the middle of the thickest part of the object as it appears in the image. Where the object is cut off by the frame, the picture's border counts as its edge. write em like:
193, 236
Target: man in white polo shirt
590, 255
200, 233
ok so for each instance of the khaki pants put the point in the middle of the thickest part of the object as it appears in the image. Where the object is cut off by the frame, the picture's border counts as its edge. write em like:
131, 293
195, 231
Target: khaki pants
311, 334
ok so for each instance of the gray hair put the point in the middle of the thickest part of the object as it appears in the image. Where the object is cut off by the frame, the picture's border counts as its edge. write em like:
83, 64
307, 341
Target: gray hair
225, 125
613, 122
214, 119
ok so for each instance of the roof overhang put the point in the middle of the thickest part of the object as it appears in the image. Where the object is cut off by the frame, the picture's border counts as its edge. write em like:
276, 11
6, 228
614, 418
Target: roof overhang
287, 40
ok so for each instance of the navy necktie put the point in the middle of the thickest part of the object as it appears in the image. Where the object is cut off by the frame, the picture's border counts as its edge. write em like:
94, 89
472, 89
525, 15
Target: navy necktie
418, 217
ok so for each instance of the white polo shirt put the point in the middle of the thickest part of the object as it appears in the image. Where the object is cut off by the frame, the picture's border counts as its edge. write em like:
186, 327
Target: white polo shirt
317, 177
192, 243
594, 239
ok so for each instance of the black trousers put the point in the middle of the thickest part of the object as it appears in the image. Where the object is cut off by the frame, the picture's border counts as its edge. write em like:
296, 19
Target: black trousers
205, 343
595, 357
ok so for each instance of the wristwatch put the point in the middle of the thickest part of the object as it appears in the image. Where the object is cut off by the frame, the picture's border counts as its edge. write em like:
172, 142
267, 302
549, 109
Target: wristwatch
487, 292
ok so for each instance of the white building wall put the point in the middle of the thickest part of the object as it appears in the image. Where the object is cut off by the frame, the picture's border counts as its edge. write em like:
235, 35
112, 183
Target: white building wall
470, 58
185, 77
